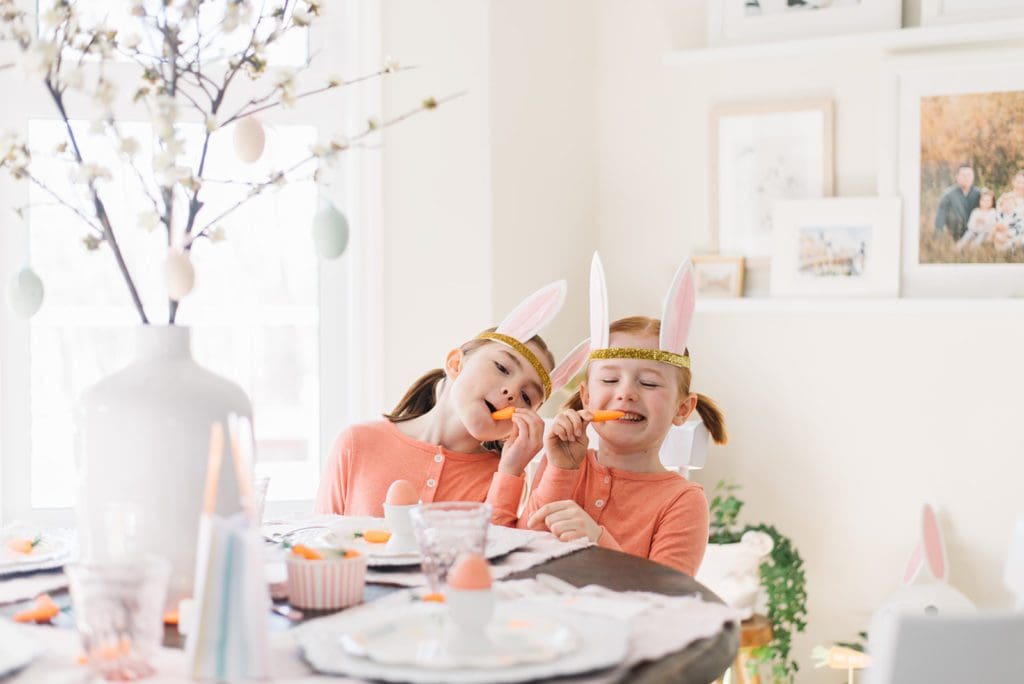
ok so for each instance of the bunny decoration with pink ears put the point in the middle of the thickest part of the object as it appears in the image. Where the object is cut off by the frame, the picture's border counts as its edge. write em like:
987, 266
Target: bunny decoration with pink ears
925, 586
525, 321
676, 316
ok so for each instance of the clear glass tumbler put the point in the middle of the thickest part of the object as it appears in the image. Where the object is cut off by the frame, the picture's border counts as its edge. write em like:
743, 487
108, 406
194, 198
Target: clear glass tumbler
118, 607
444, 530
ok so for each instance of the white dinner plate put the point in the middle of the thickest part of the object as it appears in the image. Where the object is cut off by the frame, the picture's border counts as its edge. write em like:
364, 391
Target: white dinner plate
345, 533
17, 649
600, 643
518, 633
53, 550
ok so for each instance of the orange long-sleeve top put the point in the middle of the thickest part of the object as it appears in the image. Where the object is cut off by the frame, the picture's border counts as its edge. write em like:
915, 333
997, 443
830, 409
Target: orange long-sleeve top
366, 458
660, 516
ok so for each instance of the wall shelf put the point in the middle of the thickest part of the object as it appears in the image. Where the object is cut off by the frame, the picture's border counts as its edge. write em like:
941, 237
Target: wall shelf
895, 40
837, 305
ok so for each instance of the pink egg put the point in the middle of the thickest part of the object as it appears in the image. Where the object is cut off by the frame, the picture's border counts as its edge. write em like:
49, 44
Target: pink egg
470, 571
401, 493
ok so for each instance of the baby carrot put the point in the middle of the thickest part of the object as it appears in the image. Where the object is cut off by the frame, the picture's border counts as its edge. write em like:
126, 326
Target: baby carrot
504, 414
375, 536
601, 416
23, 545
305, 552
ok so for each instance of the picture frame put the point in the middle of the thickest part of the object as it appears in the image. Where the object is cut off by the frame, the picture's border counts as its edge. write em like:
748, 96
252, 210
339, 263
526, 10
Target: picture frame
733, 22
718, 275
918, 89
837, 247
762, 152
969, 11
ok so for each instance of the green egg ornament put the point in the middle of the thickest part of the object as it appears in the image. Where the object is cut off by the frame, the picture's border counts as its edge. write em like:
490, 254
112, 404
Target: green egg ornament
25, 293
330, 231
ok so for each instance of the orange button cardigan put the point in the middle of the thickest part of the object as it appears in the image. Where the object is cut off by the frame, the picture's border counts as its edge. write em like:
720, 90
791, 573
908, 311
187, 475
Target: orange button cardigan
368, 457
660, 516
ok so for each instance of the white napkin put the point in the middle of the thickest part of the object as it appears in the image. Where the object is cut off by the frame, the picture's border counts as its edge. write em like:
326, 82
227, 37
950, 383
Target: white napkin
230, 638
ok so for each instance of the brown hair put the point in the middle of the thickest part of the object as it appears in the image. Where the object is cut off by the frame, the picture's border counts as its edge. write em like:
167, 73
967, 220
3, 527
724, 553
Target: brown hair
422, 396
707, 409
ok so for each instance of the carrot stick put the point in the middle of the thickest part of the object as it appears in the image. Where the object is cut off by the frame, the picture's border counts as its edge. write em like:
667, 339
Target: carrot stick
602, 416
213, 467
504, 414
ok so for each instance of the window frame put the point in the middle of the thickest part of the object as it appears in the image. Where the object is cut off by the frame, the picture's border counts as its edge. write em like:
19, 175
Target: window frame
346, 41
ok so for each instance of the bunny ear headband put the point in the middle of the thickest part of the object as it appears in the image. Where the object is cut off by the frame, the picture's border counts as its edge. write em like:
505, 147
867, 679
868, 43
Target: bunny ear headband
525, 321
676, 315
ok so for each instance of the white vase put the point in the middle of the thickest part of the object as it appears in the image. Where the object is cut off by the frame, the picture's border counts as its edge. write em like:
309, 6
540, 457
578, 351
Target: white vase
142, 449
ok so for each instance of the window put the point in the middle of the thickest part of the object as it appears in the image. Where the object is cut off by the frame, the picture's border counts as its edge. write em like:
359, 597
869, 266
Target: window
262, 310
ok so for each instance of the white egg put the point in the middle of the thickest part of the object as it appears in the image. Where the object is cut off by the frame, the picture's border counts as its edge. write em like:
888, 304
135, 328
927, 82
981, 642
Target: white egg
179, 274
25, 293
330, 231
249, 139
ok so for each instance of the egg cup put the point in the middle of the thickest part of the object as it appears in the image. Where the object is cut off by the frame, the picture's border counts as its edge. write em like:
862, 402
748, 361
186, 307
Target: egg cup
403, 539
469, 613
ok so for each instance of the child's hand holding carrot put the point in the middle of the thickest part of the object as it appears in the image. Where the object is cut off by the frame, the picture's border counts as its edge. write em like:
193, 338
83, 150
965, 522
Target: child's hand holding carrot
566, 441
523, 442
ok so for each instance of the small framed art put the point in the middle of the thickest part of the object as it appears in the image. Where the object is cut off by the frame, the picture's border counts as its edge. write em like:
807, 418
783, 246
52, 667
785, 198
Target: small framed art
752, 21
718, 275
840, 246
761, 153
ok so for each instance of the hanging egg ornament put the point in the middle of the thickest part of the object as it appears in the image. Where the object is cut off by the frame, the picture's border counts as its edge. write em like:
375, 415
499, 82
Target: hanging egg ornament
330, 231
25, 293
179, 274
250, 139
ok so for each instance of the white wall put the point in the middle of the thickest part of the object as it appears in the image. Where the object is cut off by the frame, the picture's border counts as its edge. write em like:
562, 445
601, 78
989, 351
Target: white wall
484, 198
576, 135
842, 423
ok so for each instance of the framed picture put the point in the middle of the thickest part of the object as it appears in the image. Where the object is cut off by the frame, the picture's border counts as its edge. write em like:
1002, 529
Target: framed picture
968, 11
761, 153
750, 21
842, 246
959, 166
718, 276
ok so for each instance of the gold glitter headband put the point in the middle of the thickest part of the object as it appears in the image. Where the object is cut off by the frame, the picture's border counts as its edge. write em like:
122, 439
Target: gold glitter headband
635, 353
525, 352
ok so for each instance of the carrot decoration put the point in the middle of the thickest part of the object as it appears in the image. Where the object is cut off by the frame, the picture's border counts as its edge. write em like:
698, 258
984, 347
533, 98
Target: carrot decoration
504, 414
305, 552
434, 598
25, 546
43, 610
602, 416
374, 536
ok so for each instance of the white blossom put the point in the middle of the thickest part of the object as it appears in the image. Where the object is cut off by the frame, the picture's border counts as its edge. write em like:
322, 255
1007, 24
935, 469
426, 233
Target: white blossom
148, 221
129, 147
391, 65
131, 41
104, 94
218, 234
74, 77
165, 116
302, 17
88, 172
211, 123
39, 58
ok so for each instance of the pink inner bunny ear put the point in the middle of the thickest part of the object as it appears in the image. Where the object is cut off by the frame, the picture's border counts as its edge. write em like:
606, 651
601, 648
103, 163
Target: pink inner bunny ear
568, 367
914, 565
534, 312
678, 311
598, 305
934, 549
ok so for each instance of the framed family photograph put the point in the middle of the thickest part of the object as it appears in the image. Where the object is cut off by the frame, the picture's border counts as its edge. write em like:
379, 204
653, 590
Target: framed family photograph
842, 246
761, 153
968, 11
960, 169
750, 21
718, 275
